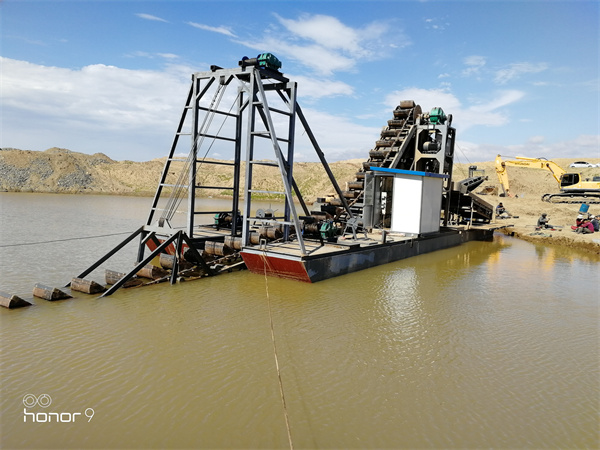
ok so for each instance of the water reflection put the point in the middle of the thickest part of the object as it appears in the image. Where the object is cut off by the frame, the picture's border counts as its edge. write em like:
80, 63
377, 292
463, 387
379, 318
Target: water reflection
484, 345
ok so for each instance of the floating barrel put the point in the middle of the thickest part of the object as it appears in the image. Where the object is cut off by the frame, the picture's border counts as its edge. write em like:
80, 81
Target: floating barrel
217, 248
274, 233
12, 301
153, 272
168, 261
112, 276
233, 242
86, 286
336, 202
355, 185
360, 175
254, 238
49, 293
407, 104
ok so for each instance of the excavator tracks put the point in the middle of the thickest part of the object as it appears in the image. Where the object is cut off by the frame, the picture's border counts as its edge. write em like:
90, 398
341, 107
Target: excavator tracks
589, 198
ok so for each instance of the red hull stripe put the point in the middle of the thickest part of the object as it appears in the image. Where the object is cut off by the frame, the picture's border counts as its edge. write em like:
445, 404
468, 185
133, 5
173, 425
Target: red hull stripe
279, 267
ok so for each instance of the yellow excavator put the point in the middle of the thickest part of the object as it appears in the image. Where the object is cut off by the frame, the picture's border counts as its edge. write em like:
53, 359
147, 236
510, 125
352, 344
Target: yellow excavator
572, 188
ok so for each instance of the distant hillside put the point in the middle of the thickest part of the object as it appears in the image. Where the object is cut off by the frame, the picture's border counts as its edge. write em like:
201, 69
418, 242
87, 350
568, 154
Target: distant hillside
60, 170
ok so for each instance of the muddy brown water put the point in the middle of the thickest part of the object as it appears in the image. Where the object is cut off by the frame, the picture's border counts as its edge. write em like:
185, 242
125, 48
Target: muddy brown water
489, 345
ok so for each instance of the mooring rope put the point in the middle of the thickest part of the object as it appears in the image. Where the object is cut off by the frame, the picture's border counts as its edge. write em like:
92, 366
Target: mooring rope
285, 413
64, 240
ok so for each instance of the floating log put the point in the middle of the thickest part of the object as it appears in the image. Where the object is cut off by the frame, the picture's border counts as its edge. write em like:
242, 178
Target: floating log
152, 272
112, 276
86, 286
12, 301
167, 262
49, 293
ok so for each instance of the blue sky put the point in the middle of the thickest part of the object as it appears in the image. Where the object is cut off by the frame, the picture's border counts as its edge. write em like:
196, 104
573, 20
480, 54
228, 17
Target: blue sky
519, 77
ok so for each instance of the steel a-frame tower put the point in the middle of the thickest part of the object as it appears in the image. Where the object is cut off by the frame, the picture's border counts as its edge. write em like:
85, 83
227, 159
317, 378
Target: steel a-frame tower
256, 127
262, 110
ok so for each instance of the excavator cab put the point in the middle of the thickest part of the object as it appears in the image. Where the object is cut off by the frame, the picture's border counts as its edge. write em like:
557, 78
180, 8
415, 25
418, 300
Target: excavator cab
569, 179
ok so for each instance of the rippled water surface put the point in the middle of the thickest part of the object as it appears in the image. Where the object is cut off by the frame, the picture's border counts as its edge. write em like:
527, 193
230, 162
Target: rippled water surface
488, 345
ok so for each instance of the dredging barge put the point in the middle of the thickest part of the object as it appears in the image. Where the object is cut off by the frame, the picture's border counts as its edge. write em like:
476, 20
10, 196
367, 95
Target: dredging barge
402, 202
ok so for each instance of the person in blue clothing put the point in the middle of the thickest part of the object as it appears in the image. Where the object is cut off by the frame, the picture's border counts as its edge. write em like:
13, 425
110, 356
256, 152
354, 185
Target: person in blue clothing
501, 212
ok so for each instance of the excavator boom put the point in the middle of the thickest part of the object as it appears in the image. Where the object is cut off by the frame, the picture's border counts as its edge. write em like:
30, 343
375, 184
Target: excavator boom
573, 190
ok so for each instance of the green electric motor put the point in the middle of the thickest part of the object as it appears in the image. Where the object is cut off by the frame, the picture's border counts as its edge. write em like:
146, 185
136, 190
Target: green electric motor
437, 115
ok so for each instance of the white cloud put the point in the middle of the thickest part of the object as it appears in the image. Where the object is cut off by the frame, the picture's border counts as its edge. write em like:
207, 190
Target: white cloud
325, 45
325, 31
435, 24
151, 17
338, 137
133, 114
515, 70
484, 113
96, 100
95, 93
312, 88
322, 60
222, 30
140, 54
581, 147
503, 98
474, 65
536, 139
427, 98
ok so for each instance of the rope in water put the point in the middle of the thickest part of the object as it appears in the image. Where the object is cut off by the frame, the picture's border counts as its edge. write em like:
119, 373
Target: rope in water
64, 240
285, 413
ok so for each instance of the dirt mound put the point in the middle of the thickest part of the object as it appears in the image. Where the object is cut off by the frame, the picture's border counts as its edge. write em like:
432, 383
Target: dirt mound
528, 186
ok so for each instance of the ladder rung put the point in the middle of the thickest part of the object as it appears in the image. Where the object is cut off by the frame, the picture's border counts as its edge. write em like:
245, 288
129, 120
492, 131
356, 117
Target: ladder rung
223, 138
216, 111
253, 191
265, 163
174, 185
216, 162
267, 135
183, 134
214, 187
280, 111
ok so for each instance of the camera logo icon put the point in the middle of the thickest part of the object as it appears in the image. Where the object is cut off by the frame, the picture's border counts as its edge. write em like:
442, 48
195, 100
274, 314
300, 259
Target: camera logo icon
30, 400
